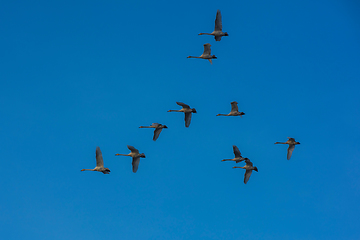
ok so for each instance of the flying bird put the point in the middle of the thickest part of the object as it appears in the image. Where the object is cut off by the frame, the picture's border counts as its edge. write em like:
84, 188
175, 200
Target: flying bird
187, 110
206, 54
135, 157
158, 127
249, 167
234, 111
291, 147
99, 163
217, 33
238, 158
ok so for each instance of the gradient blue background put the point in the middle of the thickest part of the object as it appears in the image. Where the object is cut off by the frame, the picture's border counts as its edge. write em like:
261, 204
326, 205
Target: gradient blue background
76, 75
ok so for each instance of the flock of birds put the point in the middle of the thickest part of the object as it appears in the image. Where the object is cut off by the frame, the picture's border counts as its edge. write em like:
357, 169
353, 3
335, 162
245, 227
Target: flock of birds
136, 155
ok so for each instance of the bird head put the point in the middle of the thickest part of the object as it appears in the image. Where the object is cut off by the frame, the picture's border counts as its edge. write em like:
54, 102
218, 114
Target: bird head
165, 126
255, 168
194, 110
226, 34
142, 155
213, 56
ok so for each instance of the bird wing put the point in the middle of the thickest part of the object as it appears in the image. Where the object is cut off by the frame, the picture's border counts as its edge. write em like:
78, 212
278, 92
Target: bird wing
234, 107
187, 119
218, 21
247, 176
218, 38
155, 124
207, 49
132, 149
236, 151
99, 158
157, 133
290, 150
135, 164
183, 105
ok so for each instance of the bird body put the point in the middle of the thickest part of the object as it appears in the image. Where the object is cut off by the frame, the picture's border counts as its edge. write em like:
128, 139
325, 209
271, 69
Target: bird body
238, 158
99, 163
158, 128
206, 54
292, 143
234, 111
217, 33
249, 168
135, 157
187, 110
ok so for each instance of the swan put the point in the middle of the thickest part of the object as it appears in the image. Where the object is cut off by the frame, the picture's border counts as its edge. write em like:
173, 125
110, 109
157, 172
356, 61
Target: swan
158, 127
238, 158
187, 110
249, 167
206, 54
292, 143
217, 33
234, 111
99, 163
135, 157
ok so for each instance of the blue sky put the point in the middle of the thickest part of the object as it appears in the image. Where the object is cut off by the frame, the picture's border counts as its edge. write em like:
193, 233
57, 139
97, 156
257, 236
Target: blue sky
81, 74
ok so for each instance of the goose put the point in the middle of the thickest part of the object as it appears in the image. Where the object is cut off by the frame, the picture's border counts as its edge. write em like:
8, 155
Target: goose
238, 158
158, 127
187, 110
135, 157
234, 111
217, 33
206, 54
291, 147
249, 167
99, 163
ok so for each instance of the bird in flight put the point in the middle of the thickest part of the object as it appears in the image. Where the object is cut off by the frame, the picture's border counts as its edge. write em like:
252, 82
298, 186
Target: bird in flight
206, 54
158, 128
217, 33
135, 157
249, 167
238, 158
292, 143
187, 110
99, 163
234, 111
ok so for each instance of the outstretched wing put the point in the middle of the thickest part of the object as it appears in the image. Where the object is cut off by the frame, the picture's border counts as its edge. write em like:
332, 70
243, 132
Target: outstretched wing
218, 38
157, 133
135, 164
247, 161
187, 119
247, 176
183, 105
234, 107
207, 49
132, 149
99, 158
218, 22
290, 150
236, 151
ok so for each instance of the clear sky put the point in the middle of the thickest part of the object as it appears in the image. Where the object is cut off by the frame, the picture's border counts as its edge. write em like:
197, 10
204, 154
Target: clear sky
80, 74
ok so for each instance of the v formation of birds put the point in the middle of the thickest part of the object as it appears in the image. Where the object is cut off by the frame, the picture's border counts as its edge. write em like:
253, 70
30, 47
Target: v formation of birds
136, 155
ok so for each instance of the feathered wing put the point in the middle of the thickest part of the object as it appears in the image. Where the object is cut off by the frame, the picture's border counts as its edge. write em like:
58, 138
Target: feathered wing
207, 49
290, 150
236, 151
183, 105
218, 38
187, 119
155, 124
247, 175
218, 22
99, 158
157, 133
234, 107
132, 149
135, 164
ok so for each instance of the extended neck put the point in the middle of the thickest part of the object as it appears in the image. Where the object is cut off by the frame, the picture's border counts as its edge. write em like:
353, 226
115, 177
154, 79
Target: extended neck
87, 170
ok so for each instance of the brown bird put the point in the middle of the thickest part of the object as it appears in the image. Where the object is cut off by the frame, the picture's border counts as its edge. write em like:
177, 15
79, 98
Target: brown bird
249, 167
187, 110
234, 111
135, 157
158, 128
206, 54
238, 158
217, 33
